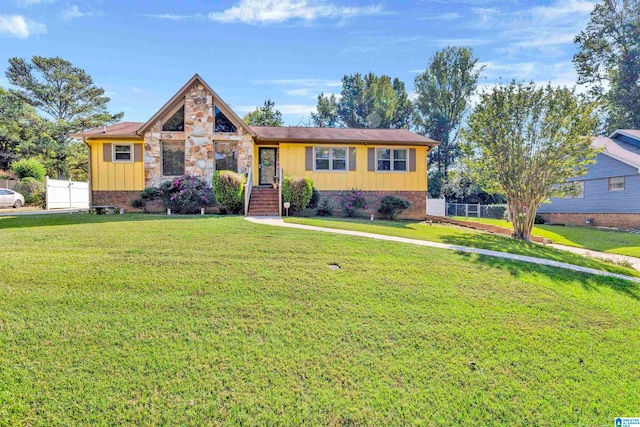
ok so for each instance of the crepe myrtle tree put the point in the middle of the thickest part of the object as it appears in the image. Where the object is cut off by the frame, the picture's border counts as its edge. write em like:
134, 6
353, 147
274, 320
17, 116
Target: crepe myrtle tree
525, 141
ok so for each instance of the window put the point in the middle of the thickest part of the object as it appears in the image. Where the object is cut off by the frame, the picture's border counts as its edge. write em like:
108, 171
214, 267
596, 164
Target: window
616, 183
580, 195
5, 193
392, 160
222, 123
226, 156
122, 152
172, 158
330, 159
175, 122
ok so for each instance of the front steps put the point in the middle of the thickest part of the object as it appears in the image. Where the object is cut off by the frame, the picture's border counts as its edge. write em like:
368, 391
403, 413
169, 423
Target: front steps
263, 202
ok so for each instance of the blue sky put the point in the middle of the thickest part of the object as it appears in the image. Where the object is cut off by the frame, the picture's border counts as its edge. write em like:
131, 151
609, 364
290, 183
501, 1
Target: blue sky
141, 51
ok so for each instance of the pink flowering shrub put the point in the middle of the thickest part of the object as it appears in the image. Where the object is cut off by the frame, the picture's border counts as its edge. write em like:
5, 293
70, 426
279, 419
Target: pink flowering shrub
186, 194
353, 203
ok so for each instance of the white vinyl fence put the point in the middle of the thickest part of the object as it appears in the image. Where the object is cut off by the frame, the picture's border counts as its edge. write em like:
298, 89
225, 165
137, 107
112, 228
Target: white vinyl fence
63, 194
436, 207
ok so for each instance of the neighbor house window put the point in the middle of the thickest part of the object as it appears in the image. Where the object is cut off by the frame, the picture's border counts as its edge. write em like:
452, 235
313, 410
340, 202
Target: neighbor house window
226, 157
222, 123
392, 160
175, 122
616, 183
122, 152
172, 158
330, 159
580, 195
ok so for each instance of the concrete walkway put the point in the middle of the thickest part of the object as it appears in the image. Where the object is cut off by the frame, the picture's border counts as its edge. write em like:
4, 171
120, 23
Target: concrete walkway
277, 221
635, 262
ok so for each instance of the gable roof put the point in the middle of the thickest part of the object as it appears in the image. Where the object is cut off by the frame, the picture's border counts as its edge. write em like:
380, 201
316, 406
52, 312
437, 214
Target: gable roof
619, 150
119, 130
631, 133
340, 135
178, 98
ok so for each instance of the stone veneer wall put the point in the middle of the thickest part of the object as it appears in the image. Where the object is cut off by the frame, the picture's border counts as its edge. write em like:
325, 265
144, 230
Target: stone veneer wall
199, 139
418, 201
599, 219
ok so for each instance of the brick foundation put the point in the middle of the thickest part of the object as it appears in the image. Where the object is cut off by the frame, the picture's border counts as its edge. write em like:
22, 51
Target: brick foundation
418, 199
599, 219
119, 199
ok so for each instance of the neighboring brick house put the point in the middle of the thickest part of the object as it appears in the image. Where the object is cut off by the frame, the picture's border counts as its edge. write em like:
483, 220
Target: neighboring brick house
610, 193
196, 132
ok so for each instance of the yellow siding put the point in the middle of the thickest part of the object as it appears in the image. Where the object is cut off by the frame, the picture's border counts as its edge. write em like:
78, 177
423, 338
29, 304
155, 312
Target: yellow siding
292, 160
113, 176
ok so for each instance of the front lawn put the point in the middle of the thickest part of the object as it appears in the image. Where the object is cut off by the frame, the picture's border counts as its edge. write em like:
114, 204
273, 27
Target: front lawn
446, 233
155, 320
615, 242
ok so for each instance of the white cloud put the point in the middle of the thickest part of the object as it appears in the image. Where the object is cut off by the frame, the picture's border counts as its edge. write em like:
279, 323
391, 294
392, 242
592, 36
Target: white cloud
449, 16
73, 12
547, 28
136, 90
19, 26
277, 11
33, 2
174, 17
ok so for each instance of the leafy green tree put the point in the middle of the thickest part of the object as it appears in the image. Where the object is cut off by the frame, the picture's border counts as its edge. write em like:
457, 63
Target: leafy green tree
69, 101
366, 102
326, 114
19, 126
267, 115
443, 94
609, 57
525, 142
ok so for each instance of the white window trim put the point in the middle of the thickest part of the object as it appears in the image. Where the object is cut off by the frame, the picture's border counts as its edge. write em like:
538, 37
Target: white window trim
162, 158
331, 159
624, 183
113, 153
391, 160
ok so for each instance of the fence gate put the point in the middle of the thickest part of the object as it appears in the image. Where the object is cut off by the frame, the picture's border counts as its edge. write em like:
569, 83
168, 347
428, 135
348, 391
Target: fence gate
63, 194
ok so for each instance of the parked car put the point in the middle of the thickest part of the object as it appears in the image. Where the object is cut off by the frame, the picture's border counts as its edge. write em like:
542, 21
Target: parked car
10, 198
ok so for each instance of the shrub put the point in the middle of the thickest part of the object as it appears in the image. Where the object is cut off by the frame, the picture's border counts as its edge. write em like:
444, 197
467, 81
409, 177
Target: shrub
147, 195
186, 194
353, 202
391, 205
539, 219
297, 191
26, 168
32, 190
315, 199
228, 187
326, 208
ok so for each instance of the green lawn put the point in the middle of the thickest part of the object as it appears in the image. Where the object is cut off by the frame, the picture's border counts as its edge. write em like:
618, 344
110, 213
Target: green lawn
453, 234
581, 237
155, 320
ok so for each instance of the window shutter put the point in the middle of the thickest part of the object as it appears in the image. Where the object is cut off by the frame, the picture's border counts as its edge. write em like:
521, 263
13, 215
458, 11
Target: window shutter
412, 159
352, 158
137, 152
372, 159
308, 161
106, 152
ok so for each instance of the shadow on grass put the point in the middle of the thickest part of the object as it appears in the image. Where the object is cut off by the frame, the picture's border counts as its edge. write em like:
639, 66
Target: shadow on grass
26, 221
589, 282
